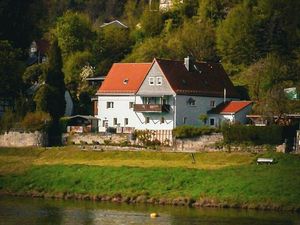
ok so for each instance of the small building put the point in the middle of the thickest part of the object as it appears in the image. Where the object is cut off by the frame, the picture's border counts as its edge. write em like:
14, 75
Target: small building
38, 52
115, 23
82, 124
229, 111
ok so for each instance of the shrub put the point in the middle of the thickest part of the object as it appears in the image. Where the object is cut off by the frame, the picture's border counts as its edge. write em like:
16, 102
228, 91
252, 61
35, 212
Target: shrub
191, 131
63, 124
7, 121
253, 134
38, 120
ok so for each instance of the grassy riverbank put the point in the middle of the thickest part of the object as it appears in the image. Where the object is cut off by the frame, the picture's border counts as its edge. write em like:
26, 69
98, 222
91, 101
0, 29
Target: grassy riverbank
216, 179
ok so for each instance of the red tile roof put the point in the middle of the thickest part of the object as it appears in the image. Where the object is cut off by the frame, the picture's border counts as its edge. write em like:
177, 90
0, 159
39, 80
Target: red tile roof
205, 79
124, 78
230, 107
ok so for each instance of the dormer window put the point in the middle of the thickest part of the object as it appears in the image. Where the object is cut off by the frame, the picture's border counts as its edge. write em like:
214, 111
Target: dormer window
191, 102
158, 80
151, 81
125, 81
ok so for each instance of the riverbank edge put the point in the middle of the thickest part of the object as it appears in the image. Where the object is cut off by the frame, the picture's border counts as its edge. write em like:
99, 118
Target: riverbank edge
144, 199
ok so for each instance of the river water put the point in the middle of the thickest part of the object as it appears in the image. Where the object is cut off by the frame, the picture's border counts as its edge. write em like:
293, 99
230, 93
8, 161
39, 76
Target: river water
27, 211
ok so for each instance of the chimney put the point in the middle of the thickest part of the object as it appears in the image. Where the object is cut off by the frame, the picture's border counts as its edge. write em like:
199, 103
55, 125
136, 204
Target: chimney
188, 63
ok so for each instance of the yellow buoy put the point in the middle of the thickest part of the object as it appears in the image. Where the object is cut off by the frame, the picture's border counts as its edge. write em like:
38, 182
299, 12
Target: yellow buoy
154, 215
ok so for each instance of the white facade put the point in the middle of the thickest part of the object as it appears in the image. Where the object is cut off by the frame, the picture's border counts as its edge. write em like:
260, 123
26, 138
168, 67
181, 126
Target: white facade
117, 111
239, 116
188, 112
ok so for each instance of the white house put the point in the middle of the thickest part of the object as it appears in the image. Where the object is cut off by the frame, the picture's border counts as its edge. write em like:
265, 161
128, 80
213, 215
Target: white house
230, 111
161, 95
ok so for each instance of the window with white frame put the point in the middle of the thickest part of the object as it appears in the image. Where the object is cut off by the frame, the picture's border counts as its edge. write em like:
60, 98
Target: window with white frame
212, 103
125, 121
184, 120
191, 102
147, 119
115, 122
158, 80
109, 105
131, 105
212, 121
151, 80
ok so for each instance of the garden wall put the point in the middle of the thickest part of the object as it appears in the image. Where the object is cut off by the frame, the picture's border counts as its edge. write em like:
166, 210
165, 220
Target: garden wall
91, 138
202, 143
22, 139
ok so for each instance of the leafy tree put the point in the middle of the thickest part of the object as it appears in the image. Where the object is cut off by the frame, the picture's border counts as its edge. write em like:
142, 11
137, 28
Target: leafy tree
198, 39
278, 28
10, 70
215, 10
112, 45
73, 32
73, 67
21, 17
34, 73
236, 40
151, 23
266, 80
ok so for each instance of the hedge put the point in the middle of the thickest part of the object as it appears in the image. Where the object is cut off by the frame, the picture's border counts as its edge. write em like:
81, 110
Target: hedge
191, 131
257, 135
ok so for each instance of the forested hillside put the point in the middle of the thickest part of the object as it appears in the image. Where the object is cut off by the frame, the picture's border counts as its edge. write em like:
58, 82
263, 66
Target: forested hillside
257, 42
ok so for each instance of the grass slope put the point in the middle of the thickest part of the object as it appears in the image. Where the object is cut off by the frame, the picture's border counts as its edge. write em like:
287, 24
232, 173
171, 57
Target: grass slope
231, 177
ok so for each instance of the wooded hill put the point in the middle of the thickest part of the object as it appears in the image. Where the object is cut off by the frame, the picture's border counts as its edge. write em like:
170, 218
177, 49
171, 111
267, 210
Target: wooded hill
256, 41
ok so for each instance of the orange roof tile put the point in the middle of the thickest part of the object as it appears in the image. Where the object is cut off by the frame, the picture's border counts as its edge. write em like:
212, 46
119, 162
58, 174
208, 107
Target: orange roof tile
124, 78
229, 107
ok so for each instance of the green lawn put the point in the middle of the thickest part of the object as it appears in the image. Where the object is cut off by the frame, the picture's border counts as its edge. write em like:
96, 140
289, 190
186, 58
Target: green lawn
227, 177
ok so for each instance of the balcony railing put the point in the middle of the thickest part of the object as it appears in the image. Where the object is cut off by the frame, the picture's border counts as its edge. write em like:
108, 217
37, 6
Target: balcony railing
158, 108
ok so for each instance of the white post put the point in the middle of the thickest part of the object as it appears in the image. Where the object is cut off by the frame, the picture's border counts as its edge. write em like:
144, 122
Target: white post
224, 94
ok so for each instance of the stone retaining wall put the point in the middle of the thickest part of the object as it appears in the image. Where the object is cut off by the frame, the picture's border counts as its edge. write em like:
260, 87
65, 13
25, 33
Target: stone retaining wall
23, 139
202, 143
91, 138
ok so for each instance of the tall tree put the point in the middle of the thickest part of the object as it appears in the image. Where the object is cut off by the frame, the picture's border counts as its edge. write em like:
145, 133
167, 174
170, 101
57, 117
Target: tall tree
74, 32
50, 98
10, 70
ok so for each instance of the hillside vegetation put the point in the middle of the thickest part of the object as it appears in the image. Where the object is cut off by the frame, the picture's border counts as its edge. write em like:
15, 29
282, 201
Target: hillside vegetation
256, 41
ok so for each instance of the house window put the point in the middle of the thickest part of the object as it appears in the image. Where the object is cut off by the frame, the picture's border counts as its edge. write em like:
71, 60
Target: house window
162, 120
191, 102
115, 122
109, 105
212, 103
125, 121
184, 120
147, 119
151, 80
158, 80
212, 121
131, 105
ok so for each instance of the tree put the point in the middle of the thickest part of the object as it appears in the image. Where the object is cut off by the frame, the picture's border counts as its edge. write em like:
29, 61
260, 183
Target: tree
51, 96
73, 67
236, 42
10, 70
198, 39
73, 32
151, 23
266, 80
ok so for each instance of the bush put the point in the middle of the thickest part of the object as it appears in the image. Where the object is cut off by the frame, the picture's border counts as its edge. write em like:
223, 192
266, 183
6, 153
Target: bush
38, 120
7, 121
191, 131
63, 124
272, 135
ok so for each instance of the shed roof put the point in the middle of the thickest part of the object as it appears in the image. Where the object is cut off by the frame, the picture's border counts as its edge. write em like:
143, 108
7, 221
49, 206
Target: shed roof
229, 107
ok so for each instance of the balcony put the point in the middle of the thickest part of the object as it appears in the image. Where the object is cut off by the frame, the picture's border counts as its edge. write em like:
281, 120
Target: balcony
151, 108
